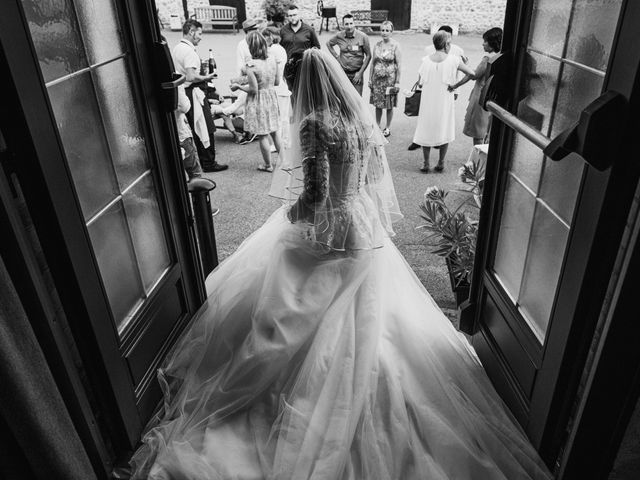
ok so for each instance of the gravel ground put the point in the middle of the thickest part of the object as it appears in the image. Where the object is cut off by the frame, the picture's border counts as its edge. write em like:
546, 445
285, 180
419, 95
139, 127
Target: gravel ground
241, 193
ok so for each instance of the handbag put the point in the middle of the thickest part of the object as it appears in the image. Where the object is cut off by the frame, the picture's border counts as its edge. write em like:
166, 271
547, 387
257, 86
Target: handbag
412, 103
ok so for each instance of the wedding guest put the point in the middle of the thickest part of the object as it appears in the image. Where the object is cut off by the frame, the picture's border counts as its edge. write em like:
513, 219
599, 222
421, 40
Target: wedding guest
243, 55
187, 61
453, 49
185, 137
354, 51
436, 120
272, 36
384, 78
477, 120
261, 107
296, 37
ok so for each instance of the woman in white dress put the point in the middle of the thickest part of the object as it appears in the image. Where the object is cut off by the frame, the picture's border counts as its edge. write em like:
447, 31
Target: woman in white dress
436, 119
319, 354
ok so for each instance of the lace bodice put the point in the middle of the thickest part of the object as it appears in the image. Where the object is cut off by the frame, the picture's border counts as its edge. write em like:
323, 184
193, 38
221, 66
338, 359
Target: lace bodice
334, 201
333, 160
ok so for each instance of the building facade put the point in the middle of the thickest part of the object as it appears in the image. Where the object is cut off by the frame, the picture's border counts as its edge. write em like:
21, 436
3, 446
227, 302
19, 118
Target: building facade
470, 16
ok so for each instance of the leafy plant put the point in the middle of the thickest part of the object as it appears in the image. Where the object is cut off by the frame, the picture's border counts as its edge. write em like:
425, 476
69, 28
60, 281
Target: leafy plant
452, 233
276, 10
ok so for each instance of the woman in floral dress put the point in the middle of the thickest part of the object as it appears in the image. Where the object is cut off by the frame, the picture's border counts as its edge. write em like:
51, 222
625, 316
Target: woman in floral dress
384, 81
262, 115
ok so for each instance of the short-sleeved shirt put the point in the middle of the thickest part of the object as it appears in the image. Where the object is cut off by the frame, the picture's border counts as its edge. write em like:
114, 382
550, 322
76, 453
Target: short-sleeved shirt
243, 55
280, 56
352, 49
184, 105
185, 56
298, 42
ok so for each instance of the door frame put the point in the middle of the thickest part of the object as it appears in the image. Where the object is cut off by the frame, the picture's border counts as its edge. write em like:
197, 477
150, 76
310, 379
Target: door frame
595, 235
29, 127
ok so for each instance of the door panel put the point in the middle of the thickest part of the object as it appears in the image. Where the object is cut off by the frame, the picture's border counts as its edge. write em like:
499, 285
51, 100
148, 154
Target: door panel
399, 12
546, 221
96, 115
564, 71
103, 179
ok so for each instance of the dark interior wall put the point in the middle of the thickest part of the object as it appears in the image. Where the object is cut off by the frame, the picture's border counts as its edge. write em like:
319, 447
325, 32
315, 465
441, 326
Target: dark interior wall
627, 464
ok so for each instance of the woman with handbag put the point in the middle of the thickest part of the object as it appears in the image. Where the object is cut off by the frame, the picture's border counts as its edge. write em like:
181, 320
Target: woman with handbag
384, 80
477, 120
436, 118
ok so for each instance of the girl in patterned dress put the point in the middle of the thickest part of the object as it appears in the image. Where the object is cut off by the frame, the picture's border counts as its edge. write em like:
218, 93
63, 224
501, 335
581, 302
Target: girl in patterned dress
262, 115
384, 81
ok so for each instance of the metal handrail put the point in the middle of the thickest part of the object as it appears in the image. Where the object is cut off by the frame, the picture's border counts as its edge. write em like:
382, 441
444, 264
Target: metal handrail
523, 128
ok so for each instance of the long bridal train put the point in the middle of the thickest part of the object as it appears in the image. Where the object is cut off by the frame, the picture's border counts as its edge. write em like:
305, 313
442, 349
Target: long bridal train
305, 363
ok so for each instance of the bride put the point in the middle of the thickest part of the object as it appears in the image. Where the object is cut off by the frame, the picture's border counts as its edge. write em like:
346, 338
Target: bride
319, 354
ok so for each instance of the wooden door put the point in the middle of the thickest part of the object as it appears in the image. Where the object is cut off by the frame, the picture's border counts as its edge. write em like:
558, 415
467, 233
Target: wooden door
548, 236
102, 179
399, 12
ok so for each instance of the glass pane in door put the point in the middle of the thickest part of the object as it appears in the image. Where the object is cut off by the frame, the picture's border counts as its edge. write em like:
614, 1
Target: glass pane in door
567, 55
85, 65
56, 36
85, 144
123, 128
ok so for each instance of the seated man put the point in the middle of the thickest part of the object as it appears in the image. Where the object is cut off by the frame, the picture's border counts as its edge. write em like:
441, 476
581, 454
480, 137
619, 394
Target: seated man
231, 115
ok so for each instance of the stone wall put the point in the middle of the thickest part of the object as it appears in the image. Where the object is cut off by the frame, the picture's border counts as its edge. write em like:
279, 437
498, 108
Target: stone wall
166, 8
474, 16
471, 15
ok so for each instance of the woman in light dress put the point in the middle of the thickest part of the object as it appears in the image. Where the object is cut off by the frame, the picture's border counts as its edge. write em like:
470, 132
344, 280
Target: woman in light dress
318, 354
384, 79
272, 35
261, 115
477, 120
436, 119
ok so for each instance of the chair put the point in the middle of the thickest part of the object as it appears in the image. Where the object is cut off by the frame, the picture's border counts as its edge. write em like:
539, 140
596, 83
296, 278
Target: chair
327, 13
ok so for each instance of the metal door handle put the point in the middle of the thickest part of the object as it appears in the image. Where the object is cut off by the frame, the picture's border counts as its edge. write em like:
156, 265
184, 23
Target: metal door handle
178, 79
591, 137
165, 72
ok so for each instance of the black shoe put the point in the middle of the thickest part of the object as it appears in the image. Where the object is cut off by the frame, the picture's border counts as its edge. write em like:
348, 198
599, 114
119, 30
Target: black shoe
413, 146
438, 168
425, 169
216, 167
248, 138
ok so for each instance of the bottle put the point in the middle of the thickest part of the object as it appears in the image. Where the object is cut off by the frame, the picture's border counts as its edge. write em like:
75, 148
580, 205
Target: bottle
213, 68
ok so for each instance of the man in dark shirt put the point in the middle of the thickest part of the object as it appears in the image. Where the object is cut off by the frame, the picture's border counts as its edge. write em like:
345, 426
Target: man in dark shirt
296, 37
355, 53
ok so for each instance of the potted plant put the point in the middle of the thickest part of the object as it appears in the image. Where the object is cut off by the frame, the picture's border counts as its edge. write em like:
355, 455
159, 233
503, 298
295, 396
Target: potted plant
276, 10
452, 232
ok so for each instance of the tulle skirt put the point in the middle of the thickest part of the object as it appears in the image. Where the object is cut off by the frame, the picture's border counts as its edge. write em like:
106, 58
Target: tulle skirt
307, 363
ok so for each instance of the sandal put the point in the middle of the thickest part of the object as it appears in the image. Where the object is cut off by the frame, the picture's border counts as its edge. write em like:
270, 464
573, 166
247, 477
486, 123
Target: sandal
425, 169
265, 168
439, 168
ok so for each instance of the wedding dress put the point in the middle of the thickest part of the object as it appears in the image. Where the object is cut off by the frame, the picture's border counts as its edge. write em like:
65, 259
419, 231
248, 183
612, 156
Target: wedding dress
318, 353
